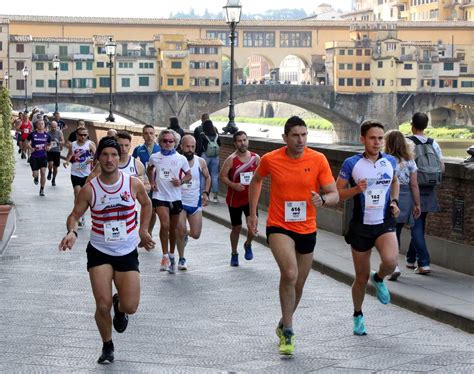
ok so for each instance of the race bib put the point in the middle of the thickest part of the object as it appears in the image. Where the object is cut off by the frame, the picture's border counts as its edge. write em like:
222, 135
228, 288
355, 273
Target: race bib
374, 198
115, 231
39, 147
26, 131
187, 185
83, 165
54, 144
165, 174
295, 211
245, 178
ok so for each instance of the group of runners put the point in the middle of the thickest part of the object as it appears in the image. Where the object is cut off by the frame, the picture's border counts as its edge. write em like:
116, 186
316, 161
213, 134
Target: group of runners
168, 183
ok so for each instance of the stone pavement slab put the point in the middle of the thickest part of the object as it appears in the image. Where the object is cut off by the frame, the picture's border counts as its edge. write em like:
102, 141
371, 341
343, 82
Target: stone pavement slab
210, 319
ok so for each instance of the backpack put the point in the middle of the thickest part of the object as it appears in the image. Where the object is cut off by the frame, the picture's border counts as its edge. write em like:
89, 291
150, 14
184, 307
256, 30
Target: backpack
428, 163
212, 146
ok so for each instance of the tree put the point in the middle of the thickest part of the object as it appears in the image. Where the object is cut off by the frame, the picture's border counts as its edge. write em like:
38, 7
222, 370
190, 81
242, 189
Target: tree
7, 163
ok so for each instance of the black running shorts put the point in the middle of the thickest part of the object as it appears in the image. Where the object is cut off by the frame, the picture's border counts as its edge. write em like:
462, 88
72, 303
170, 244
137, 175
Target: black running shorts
304, 243
175, 207
128, 262
54, 157
78, 181
37, 163
362, 237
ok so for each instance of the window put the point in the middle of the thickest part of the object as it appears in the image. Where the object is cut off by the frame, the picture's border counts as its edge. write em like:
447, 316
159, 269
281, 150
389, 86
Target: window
212, 65
51, 83
366, 67
176, 64
78, 65
1, 45
1, 65
380, 64
84, 83
342, 52
145, 65
40, 66
405, 82
380, 82
358, 66
223, 36
391, 46
89, 65
20, 84
20, 48
40, 50
65, 83
101, 50
358, 82
40, 83
341, 81
259, 39
367, 52
367, 82
84, 50
170, 82
349, 66
350, 81
358, 52
179, 81
104, 82
341, 66
100, 64
408, 66
20, 65
62, 51
350, 52
467, 84
143, 81
448, 66
126, 65
295, 39
125, 82
64, 66
463, 69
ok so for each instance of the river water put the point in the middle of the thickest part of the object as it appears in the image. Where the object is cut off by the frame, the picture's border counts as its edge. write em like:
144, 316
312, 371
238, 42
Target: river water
450, 148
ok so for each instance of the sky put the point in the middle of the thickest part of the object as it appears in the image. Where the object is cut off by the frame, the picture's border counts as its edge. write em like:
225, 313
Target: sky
151, 9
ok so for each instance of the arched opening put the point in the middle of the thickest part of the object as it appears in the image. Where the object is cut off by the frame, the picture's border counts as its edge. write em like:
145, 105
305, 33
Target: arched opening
294, 70
259, 70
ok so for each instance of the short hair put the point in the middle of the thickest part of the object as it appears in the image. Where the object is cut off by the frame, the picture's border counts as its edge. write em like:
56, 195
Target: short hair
174, 123
293, 122
204, 116
176, 136
148, 127
419, 121
367, 125
80, 122
238, 133
122, 134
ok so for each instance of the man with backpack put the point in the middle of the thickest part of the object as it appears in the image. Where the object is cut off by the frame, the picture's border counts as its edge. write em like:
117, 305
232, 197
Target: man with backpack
209, 147
429, 160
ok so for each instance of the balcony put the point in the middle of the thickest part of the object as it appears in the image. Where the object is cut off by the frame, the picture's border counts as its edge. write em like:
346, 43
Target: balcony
175, 54
82, 57
42, 57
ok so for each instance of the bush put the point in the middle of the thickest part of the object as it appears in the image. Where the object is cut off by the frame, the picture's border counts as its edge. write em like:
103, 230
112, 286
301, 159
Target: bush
7, 160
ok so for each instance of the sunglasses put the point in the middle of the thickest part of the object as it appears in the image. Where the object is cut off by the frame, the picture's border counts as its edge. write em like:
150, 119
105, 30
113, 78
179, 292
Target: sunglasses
167, 141
81, 134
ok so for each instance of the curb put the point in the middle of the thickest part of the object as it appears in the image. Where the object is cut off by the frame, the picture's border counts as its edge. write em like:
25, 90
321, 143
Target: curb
444, 316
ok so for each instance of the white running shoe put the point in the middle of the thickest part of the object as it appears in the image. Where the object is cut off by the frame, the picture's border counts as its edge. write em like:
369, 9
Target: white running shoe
164, 263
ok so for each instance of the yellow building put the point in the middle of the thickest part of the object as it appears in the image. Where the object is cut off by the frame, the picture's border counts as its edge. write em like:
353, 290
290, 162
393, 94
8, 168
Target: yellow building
174, 62
205, 65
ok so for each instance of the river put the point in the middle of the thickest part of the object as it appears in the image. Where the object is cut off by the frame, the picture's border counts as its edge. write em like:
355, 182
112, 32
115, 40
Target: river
450, 148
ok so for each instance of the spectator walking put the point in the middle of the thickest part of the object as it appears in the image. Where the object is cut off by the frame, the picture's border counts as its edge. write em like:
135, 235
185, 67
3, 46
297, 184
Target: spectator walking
208, 147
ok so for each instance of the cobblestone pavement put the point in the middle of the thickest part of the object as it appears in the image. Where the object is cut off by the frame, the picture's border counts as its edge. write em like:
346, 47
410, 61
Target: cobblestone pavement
211, 319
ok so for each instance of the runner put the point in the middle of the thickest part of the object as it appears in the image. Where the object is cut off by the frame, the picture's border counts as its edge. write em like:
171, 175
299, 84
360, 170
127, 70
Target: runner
112, 251
25, 129
167, 171
38, 144
54, 154
192, 200
374, 187
81, 156
236, 174
301, 181
144, 152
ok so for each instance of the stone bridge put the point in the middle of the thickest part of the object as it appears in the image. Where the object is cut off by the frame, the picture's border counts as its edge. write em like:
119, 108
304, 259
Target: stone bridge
346, 112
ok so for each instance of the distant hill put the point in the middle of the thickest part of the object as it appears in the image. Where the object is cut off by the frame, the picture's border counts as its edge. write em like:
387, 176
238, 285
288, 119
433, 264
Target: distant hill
268, 15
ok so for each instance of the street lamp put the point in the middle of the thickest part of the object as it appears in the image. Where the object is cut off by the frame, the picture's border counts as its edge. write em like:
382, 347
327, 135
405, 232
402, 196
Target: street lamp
26, 72
110, 47
232, 11
5, 79
56, 65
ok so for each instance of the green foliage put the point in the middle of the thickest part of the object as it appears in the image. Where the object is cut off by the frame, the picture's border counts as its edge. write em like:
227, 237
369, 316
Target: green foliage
312, 123
7, 160
447, 132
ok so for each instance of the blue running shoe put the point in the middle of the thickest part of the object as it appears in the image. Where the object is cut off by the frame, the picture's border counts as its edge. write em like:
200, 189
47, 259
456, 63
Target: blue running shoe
248, 252
359, 326
381, 289
234, 259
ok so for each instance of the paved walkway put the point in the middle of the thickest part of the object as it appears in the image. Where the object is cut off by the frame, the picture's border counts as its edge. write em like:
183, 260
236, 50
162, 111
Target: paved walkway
211, 319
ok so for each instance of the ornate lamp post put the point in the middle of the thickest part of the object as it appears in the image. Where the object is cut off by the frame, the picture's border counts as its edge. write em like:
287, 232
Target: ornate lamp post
232, 11
26, 72
110, 47
5, 79
56, 65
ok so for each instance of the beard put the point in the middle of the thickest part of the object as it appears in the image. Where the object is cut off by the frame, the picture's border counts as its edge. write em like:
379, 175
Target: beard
189, 155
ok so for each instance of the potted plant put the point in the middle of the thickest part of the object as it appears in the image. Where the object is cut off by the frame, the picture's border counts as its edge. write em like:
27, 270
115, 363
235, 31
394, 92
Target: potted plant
7, 160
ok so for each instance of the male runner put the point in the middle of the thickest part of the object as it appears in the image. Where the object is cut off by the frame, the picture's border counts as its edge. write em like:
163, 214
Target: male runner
167, 171
301, 181
81, 156
369, 178
192, 200
54, 154
38, 144
236, 173
144, 152
112, 251
25, 128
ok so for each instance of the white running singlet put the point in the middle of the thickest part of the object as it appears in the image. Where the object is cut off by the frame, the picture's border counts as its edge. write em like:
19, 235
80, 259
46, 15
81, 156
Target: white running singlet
191, 191
80, 155
130, 168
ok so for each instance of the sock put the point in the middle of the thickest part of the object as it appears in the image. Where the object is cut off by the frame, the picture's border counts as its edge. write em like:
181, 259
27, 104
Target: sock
108, 345
288, 330
171, 255
377, 278
357, 314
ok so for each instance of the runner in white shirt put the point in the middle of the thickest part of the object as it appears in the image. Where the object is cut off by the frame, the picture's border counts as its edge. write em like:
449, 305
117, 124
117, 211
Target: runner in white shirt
192, 199
167, 171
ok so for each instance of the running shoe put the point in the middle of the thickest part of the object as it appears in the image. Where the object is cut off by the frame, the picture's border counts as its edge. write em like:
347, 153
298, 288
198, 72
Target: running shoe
164, 263
394, 276
172, 266
35, 180
381, 289
234, 259
41, 192
410, 265
107, 356
359, 326
53, 182
279, 330
182, 264
23, 156
248, 252
28, 159
287, 343
215, 199
423, 270
120, 320
49, 175
19, 150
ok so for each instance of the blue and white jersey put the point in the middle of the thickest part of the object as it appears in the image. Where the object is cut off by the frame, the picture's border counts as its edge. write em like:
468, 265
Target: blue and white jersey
372, 206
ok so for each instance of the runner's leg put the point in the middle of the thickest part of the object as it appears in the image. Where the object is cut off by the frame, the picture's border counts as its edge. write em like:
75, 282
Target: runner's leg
101, 282
362, 271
